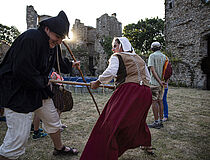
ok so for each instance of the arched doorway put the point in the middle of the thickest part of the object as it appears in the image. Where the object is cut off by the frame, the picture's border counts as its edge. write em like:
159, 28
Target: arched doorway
205, 64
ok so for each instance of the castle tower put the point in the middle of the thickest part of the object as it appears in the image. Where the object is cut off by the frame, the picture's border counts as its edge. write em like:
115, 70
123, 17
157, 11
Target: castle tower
106, 26
31, 17
187, 34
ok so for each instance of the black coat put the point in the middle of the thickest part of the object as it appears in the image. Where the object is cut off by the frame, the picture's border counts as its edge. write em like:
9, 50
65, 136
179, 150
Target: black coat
25, 69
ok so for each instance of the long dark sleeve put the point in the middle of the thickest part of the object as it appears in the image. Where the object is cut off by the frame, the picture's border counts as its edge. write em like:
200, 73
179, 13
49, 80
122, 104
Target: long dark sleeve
25, 63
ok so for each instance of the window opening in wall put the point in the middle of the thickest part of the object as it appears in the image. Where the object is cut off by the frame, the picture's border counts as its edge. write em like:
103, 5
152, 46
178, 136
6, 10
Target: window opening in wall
91, 66
205, 64
171, 4
208, 63
205, 1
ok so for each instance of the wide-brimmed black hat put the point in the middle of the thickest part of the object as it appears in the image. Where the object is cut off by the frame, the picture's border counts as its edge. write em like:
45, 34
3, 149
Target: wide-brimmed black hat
59, 24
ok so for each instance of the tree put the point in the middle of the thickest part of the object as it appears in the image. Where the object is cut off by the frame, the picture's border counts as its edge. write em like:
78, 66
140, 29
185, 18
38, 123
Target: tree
106, 43
8, 34
142, 34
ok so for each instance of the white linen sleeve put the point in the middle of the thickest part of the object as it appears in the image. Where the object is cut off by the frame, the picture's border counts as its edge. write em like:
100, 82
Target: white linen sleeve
111, 70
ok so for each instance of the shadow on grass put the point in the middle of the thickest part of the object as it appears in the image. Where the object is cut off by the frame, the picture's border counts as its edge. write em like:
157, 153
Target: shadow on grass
185, 136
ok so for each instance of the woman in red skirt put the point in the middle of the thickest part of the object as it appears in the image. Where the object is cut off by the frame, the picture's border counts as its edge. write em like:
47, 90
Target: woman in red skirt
122, 124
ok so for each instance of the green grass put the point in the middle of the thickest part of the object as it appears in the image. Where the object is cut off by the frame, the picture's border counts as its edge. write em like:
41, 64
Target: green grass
186, 136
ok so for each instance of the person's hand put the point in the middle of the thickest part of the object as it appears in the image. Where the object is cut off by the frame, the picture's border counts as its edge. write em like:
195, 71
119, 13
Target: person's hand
49, 84
54, 77
76, 64
163, 84
95, 84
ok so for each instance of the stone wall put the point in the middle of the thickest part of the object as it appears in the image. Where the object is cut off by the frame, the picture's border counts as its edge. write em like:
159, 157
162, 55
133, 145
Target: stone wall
187, 30
79, 31
31, 17
3, 49
90, 38
86, 40
106, 26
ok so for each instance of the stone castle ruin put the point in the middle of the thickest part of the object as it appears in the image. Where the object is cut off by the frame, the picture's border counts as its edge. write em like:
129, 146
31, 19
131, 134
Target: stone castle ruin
187, 33
3, 49
86, 42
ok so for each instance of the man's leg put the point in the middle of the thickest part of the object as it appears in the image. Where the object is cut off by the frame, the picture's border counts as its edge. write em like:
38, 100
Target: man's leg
19, 125
56, 138
160, 112
160, 105
36, 122
50, 118
155, 93
51, 121
165, 104
37, 131
160, 109
155, 109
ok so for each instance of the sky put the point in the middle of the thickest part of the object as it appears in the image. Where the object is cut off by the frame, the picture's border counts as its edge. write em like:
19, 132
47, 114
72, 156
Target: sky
13, 12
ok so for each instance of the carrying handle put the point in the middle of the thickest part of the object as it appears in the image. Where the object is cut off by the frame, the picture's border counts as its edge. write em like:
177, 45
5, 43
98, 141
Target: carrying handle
59, 69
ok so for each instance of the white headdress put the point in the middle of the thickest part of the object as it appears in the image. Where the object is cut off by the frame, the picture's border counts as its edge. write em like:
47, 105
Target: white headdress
126, 45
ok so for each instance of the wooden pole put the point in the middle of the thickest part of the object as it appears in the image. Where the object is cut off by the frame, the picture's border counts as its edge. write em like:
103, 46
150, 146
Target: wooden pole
81, 75
79, 83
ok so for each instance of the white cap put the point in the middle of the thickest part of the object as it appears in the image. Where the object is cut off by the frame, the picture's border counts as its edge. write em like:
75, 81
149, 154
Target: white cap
155, 45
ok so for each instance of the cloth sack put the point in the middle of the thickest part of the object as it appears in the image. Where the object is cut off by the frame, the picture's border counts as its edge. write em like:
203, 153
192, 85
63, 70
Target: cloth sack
167, 70
62, 98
